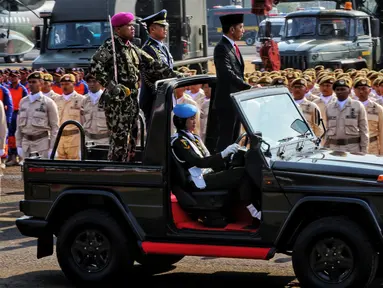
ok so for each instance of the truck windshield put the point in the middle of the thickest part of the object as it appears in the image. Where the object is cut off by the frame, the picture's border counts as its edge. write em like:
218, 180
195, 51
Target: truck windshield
274, 119
77, 34
276, 30
312, 26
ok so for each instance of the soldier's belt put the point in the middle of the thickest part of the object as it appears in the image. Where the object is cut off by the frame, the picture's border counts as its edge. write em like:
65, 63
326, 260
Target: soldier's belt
36, 137
343, 141
97, 136
70, 132
373, 139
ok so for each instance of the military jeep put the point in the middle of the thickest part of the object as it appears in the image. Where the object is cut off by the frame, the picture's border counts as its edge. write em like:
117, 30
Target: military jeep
333, 38
322, 207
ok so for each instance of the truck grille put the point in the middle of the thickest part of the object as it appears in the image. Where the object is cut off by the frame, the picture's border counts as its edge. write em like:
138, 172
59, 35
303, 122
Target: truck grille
294, 61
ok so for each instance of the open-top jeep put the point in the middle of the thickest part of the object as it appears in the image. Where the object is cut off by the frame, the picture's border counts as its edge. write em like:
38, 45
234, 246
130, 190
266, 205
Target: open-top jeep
322, 207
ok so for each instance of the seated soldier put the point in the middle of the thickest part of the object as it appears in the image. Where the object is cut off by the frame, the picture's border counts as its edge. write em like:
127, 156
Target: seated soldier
205, 171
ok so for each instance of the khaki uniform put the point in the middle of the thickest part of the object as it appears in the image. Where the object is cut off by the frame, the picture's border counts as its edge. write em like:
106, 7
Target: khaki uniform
322, 107
37, 126
69, 146
375, 127
347, 129
311, 97
94, 122
51, 94
308, 109
3, 126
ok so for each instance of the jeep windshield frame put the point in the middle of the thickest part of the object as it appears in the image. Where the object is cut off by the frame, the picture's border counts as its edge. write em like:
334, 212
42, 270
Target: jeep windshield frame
322, 27
271, 111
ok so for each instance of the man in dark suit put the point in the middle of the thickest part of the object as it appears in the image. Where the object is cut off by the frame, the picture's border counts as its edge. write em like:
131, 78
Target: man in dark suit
230, 78
157, 27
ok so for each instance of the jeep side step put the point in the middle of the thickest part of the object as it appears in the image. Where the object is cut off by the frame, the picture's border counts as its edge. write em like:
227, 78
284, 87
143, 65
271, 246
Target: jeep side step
208, 250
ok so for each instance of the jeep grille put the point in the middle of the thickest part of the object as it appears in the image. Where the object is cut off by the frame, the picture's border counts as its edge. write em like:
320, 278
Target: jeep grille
294, 61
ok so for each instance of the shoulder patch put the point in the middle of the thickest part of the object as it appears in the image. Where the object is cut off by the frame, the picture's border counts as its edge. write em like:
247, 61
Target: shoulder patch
185, 143
102, 55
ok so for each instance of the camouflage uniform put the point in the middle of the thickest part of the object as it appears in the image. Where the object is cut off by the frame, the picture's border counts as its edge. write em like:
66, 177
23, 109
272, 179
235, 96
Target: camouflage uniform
121, 108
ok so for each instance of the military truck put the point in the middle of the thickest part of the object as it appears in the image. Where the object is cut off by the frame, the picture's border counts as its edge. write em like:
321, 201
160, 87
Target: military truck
74, 30
322, 207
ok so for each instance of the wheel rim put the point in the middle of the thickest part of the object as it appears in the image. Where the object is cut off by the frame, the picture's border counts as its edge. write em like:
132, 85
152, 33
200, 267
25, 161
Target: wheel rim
91, 251
249, 41
332, 260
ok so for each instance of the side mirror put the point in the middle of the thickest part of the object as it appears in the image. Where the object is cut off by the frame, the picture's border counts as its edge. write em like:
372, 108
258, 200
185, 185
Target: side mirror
300, 126
37, 31
375, 27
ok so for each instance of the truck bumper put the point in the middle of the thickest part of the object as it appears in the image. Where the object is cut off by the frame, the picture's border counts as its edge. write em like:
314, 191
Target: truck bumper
32, 227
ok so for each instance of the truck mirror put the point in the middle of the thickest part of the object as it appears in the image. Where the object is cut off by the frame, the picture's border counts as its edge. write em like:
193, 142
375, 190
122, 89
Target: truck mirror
37, 31
375, 27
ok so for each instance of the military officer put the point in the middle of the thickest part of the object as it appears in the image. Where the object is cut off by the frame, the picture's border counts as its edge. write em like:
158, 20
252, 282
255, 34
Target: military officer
37, 123
326, 97
46, 88
299, 89
157, 27
207, 171
69, 107
93, 117
374, 114
347, 126
121, 81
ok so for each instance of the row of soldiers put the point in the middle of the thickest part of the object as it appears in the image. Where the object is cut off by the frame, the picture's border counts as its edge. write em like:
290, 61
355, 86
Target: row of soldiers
36, 103
349, 102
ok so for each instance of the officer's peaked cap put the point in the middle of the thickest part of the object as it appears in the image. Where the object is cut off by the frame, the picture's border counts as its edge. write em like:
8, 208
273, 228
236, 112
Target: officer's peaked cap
185, 110
158, 18
231, 19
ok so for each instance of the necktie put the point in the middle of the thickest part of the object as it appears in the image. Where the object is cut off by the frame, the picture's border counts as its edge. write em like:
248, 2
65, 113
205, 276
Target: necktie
237, 51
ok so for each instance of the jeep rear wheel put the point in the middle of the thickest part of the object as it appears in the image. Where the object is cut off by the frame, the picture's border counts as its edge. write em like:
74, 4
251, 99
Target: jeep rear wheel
92, 249
334, 252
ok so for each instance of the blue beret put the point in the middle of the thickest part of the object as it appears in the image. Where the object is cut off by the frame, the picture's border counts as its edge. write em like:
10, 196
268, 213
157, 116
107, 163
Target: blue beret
185, 110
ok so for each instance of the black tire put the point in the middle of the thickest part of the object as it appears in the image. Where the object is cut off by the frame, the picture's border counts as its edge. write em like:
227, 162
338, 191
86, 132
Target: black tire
20, 58
355, 250
250, 40
10, 59
158, 263
102, 228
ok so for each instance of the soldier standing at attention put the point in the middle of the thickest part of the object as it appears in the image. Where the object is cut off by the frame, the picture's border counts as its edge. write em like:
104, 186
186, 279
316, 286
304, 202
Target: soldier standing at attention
93, 117
69, 108
326, 97
347, 122
37, 123
299, 89
158, 29
46, 88
120, 78
362, 88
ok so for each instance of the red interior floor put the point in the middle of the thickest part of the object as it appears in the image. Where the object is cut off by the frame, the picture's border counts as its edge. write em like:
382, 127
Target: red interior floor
183, 221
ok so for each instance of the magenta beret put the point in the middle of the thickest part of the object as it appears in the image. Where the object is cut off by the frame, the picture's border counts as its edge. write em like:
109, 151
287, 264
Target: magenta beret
122, 18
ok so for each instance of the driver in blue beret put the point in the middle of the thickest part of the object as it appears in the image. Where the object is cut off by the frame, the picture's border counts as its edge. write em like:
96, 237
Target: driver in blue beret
205, 171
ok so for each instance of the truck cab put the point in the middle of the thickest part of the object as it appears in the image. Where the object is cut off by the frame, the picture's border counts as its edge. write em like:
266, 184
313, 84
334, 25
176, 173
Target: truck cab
106, 215
277, 28
334, 38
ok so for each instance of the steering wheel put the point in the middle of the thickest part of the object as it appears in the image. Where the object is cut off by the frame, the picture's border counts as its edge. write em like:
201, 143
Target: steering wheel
239, 139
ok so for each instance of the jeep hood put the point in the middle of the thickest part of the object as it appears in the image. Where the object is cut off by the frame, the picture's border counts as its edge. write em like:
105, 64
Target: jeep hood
311, 45
334, 163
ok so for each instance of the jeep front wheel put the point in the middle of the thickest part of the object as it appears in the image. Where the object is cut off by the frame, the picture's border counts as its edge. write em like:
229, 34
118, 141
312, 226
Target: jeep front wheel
92, 249
334, 252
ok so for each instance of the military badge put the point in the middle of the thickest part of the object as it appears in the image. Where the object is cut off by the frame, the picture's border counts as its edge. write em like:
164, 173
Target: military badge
186, 144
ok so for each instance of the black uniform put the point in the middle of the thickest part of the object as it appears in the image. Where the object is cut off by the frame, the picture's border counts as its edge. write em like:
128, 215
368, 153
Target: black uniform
217, 179
159, 52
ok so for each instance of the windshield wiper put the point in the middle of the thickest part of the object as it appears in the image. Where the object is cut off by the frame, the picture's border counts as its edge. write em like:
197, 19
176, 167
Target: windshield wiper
287, 139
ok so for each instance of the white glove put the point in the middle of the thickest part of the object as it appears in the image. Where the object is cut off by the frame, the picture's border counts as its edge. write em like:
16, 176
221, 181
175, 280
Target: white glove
233, 148
20, 152
2, 152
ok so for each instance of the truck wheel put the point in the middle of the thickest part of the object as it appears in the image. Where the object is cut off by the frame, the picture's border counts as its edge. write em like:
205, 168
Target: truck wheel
20, 58
10, 59
92, 249
158, 263
334, 252
250, 41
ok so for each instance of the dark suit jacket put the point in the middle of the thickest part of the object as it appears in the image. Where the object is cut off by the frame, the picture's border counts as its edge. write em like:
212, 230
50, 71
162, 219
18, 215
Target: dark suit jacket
230, 77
